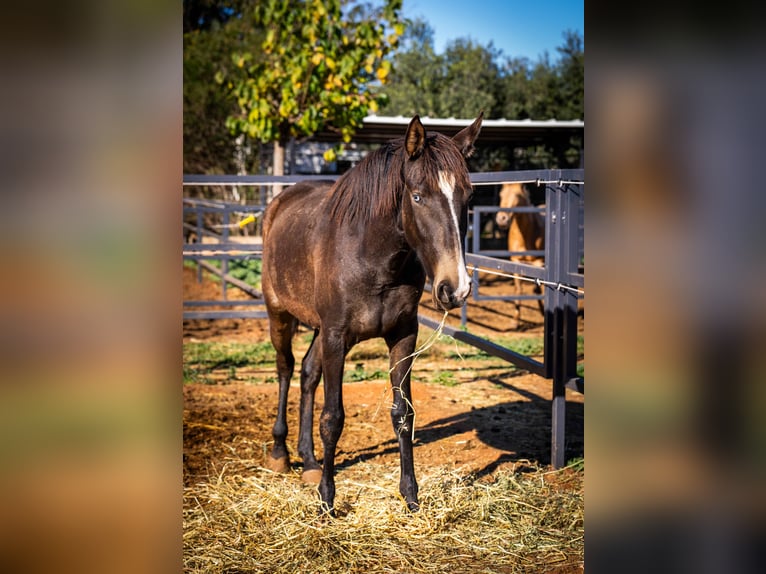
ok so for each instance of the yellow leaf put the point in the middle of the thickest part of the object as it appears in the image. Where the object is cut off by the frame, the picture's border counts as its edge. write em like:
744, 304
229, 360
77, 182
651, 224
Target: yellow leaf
374, 106
329, 155
382, 73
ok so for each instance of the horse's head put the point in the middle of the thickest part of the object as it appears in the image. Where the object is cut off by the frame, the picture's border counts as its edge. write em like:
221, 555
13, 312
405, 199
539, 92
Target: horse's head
511, 195
435, 207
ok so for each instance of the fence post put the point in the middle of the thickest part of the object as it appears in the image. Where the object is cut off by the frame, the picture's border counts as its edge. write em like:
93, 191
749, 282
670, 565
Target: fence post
560, 306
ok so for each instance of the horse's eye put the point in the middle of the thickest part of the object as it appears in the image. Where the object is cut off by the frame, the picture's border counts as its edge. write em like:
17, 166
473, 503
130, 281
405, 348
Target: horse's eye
416, 197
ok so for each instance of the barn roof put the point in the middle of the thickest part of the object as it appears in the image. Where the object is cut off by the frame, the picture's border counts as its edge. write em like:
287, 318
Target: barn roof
521, 133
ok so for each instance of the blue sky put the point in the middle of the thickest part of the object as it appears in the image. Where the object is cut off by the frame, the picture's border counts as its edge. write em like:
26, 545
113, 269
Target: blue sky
518, 28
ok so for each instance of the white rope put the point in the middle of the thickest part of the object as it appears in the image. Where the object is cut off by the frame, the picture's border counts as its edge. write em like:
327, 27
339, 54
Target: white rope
537, 181
215, 252
557, 286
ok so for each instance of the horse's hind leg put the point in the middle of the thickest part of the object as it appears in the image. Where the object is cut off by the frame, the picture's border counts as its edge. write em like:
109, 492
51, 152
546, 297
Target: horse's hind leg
282, 327
311, 372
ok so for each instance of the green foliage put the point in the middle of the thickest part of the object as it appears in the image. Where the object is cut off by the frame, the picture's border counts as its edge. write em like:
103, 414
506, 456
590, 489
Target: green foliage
208, 145
247, 270
313, 67
417, 75
469, 77
472, 80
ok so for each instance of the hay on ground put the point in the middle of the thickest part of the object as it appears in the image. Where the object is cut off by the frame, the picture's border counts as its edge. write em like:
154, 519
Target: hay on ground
507, 522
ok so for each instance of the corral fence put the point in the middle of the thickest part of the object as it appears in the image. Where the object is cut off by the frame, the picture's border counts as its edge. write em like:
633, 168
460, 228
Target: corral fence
211, 232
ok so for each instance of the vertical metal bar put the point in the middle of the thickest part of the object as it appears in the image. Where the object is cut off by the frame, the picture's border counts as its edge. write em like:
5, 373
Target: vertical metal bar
558, 401
476, 243
225, 258
476, 231
198, 211
564, 225
464, 308
570, 265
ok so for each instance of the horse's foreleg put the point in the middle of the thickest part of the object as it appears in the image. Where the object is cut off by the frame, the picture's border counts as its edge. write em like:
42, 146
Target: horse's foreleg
311, 372
333, 416
403, 413
282, 329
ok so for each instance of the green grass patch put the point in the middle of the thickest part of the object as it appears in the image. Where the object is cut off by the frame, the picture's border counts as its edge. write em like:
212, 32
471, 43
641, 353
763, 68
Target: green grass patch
202, 360
360, 373
446, 378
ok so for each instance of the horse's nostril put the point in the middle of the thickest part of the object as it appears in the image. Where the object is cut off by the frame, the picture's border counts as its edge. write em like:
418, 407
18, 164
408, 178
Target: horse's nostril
446, 296
444, 292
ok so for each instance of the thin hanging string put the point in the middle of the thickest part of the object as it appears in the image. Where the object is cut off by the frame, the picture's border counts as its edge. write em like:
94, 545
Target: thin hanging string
432, 338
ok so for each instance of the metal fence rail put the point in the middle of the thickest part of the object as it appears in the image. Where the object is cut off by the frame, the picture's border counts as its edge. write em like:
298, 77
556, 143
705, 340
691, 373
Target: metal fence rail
562, 275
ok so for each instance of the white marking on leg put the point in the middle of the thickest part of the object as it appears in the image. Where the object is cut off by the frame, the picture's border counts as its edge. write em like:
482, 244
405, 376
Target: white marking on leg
447, 186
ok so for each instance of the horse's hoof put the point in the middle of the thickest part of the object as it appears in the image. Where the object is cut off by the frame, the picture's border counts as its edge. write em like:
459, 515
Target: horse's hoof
281, 464
413, 506
312, 476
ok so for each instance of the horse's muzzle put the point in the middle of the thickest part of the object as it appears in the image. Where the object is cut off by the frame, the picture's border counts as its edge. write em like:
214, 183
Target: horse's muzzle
446, 298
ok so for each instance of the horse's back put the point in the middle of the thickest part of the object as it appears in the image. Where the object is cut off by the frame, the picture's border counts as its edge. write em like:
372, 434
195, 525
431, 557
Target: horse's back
289, 241
301, 197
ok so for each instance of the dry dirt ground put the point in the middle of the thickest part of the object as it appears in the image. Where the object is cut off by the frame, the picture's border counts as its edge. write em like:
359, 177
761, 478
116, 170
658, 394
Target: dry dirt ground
491, 416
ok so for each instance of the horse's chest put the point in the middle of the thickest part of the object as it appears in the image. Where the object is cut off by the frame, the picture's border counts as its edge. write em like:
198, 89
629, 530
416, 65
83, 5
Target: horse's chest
378, 314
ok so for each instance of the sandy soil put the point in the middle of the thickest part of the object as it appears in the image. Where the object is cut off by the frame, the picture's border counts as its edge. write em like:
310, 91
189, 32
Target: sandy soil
494, 416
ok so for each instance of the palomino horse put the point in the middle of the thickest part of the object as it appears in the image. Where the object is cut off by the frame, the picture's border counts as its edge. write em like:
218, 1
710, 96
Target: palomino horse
350, 260
526, 232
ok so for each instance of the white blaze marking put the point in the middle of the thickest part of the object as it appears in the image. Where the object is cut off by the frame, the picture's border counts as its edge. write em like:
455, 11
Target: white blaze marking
447, 186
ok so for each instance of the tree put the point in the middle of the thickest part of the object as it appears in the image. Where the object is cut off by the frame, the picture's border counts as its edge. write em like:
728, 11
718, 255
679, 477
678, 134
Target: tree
471, 80
314, 69
417, 74
571, 74
205, 14
208, 145
213, 29
458, 83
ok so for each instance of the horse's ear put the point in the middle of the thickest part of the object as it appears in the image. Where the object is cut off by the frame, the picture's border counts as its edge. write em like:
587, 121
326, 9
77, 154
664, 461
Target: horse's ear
465, 137
415, 140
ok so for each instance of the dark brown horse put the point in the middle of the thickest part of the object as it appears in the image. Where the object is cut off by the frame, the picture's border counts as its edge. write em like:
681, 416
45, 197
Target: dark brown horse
526, 232
350, 260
